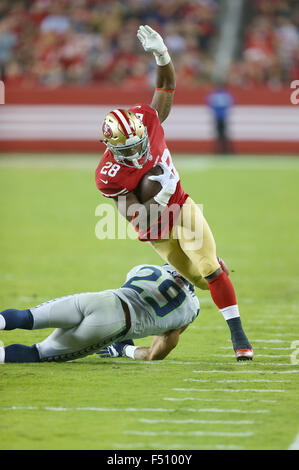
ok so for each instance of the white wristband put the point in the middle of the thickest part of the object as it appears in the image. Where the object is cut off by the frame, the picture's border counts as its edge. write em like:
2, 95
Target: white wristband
165, 194
162, 199
162, 59
129, 351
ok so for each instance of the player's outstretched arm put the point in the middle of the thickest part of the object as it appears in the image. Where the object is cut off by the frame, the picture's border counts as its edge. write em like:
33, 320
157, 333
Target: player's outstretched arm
160, 348
165, 81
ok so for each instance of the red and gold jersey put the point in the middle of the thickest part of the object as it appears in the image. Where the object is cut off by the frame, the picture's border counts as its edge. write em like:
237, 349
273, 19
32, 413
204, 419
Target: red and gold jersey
114, 179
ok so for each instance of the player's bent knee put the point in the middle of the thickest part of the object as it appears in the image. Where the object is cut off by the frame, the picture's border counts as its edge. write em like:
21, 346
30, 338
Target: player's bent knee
208, 267
200, 282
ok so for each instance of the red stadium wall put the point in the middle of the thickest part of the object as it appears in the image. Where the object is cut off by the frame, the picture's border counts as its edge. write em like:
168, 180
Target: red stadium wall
69, 119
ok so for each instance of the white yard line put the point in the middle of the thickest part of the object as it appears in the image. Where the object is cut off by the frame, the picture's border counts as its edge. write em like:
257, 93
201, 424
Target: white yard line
293, 335
189, 433
127, 410
234, 381
263, 347
251, 390
270, 340
281, 327
174, 445
246, 372
287, 356
52, 408
243, 364
220, 410
234, 400
194, 421
275, 349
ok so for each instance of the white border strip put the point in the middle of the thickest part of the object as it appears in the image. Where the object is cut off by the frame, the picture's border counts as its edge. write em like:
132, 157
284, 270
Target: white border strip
185, 122
295, 444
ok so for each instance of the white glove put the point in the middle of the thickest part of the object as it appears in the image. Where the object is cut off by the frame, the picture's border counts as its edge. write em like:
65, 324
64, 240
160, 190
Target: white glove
168, 182
153, 42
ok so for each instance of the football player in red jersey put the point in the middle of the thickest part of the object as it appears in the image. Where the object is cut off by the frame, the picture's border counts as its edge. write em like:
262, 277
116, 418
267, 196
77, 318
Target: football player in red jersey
135, 144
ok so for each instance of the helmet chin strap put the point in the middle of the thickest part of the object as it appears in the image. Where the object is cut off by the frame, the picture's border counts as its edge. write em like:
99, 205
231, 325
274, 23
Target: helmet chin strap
135, 161
134, 158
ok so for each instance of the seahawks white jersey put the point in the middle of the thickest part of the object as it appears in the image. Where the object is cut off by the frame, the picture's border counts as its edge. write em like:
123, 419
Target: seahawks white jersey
158, 302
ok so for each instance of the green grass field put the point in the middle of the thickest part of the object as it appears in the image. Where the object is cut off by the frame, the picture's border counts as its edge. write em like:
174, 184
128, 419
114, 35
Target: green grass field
199, 397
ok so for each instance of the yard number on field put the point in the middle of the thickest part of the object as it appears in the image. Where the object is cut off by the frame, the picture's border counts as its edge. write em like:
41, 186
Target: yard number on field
295, 353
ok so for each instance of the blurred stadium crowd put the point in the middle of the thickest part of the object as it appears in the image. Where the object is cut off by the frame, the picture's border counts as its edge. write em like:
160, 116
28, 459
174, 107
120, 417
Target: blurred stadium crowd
56, 42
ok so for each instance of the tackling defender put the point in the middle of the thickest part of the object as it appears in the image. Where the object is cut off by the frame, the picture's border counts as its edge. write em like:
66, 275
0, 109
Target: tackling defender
154, 300
135, 144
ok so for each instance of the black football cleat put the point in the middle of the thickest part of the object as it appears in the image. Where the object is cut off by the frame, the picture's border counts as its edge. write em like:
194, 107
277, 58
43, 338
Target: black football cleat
244, 354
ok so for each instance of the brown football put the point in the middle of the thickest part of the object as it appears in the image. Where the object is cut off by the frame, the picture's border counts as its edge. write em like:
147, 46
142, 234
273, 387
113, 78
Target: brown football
146, 188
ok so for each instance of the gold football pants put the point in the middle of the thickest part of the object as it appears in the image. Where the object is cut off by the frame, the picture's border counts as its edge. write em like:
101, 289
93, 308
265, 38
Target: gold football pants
190, 246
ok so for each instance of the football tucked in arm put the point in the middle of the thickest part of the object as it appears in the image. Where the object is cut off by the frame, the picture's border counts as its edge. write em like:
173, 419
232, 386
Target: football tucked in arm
146, 188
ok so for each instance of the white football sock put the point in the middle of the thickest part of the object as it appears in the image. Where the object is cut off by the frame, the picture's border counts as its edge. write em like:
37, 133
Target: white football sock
2, 355
230, 312
2, 322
